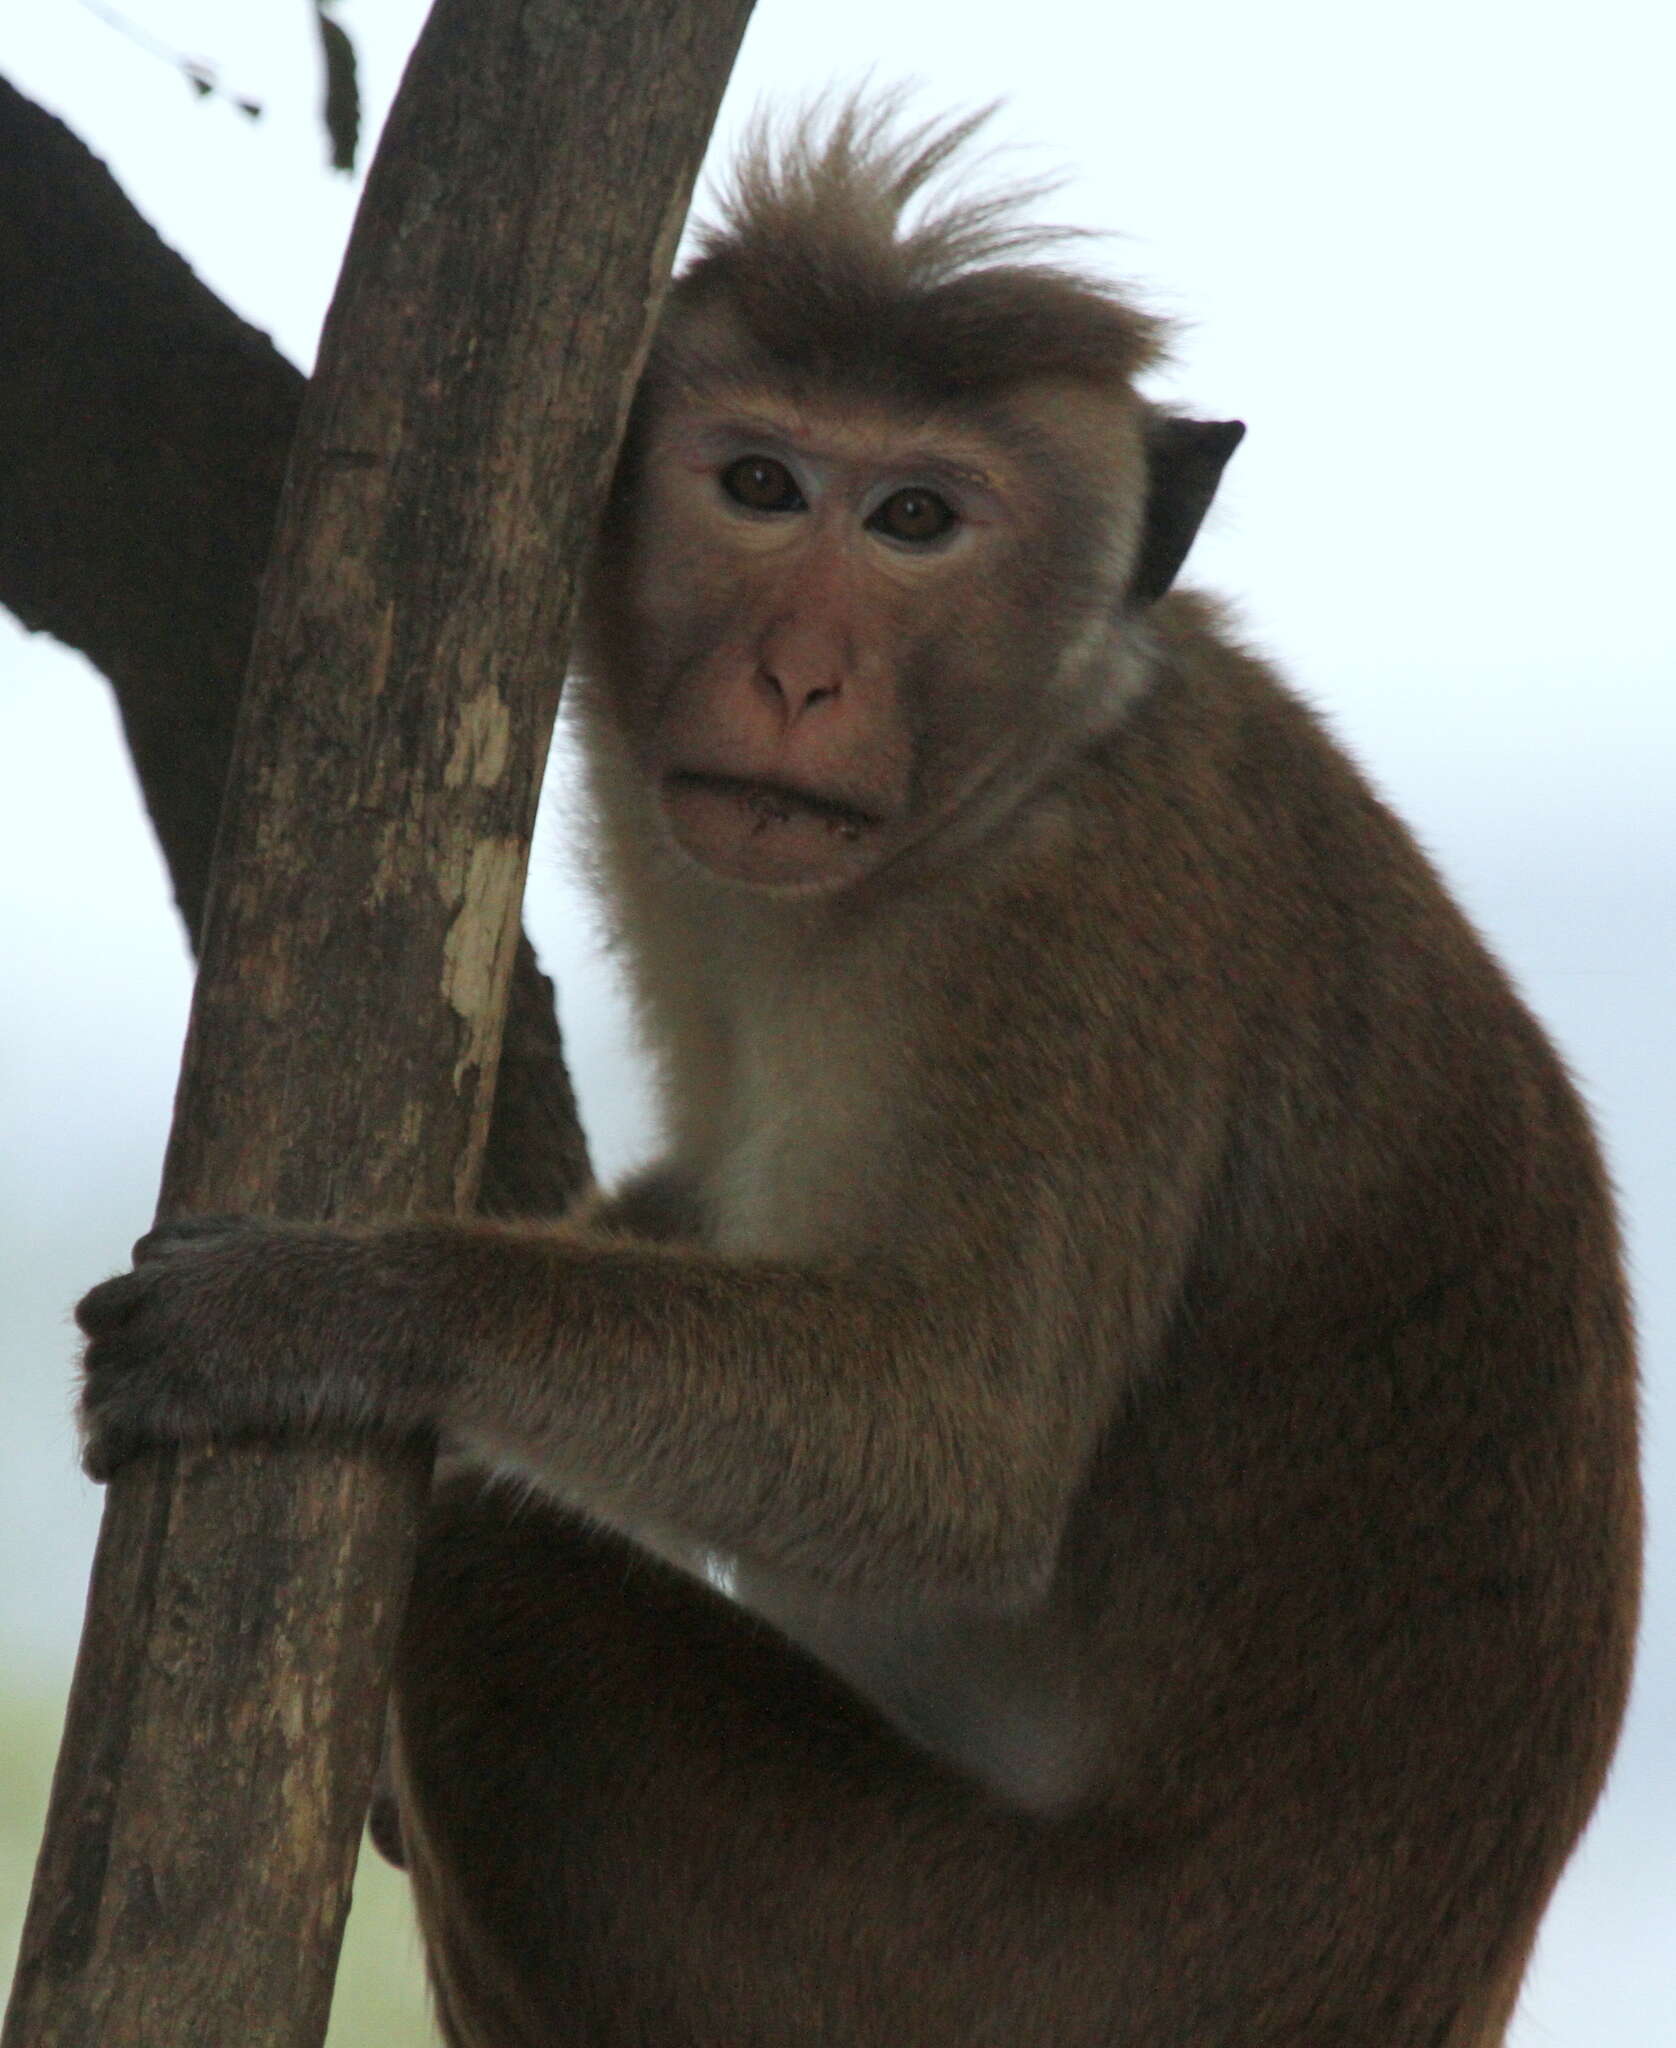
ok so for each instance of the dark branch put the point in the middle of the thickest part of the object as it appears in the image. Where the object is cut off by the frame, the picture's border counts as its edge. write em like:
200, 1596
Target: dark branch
144, 429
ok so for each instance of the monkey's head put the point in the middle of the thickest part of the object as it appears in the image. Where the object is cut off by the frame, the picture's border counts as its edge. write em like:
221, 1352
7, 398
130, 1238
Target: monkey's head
888, 517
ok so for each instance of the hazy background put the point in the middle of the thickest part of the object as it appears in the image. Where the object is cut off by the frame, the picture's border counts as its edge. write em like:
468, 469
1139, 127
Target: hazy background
1425, 255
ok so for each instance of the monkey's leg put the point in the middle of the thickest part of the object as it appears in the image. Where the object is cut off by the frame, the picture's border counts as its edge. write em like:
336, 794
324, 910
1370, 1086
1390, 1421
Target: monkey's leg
634, 1815
637, 1818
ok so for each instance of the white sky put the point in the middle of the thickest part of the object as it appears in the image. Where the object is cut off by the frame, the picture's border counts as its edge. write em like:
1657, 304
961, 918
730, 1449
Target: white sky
1425, 254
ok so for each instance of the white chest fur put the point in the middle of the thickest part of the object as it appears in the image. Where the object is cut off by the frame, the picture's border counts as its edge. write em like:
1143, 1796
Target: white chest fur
802, 1162
806, 1165
996, 1696
791, 1103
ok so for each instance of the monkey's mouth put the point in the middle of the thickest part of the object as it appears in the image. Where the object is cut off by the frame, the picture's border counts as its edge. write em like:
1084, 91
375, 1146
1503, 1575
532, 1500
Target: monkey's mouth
752, 829
775, 803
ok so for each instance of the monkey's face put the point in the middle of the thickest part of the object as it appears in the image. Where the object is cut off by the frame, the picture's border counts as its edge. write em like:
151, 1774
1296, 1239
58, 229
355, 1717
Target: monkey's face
827, 630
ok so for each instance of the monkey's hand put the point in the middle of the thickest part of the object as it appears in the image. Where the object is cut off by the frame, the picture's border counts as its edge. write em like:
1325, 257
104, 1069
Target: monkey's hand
231, 1327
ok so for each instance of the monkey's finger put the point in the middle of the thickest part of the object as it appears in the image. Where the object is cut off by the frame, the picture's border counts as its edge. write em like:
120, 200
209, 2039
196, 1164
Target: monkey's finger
108, 1446
101, 1455
111, 1430
115, 1356
109, 1305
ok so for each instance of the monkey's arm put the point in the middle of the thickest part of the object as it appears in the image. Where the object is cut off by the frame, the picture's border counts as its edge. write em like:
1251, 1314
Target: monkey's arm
916, 1408
863, 1419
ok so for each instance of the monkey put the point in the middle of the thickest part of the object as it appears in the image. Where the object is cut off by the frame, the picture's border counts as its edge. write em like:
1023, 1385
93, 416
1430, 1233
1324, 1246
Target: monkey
1090, 1496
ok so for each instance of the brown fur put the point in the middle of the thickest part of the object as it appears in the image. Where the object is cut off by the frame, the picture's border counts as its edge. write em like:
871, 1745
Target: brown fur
1132, 1306
814, 258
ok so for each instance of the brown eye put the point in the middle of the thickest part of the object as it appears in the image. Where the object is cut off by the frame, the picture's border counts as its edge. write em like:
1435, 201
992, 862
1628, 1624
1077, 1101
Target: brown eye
761, 484
915, 516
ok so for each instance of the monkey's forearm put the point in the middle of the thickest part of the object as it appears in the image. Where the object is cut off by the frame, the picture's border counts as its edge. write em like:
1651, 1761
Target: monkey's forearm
854, 1420
859, 1421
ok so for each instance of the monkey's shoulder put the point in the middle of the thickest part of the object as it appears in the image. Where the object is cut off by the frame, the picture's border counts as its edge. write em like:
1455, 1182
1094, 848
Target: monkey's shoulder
1221, 820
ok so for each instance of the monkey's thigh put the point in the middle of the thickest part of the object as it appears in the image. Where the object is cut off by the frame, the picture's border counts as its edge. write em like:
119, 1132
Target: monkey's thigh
634, 1815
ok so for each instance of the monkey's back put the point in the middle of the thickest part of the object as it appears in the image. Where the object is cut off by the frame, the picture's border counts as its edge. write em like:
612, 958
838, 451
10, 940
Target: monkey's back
1368, 1520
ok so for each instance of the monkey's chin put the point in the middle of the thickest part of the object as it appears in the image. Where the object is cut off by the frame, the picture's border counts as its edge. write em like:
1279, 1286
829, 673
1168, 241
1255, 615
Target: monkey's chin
768, 837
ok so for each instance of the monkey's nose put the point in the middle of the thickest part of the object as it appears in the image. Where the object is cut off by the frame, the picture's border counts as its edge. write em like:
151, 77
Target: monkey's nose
794, 694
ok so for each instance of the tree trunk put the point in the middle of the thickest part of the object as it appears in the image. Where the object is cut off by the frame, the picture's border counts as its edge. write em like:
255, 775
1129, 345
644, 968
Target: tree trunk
359, 935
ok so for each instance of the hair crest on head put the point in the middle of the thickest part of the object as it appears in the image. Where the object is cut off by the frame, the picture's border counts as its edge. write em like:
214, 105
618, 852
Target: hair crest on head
849, 244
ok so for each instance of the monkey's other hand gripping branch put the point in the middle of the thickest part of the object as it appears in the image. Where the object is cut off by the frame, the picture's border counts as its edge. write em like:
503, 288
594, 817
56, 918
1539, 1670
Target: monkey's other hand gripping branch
232, 1326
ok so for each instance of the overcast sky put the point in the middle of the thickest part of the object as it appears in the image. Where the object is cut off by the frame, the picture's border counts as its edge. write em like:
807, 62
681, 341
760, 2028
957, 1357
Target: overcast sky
1423, 251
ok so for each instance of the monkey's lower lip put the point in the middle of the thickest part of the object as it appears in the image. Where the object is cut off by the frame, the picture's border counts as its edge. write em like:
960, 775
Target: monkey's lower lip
775, 801
765, 833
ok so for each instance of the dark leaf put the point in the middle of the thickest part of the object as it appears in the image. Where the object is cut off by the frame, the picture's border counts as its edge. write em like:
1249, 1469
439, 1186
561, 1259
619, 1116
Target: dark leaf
342, 110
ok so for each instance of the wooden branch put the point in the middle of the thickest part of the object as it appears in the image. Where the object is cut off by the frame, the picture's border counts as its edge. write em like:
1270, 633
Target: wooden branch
144, 431
477, 364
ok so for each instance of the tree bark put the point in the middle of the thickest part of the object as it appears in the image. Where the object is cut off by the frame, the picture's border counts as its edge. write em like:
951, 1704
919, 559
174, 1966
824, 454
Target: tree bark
144, 430
357, 942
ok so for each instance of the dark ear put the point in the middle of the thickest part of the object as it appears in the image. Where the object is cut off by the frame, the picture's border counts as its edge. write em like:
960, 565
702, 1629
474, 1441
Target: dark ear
1184, 462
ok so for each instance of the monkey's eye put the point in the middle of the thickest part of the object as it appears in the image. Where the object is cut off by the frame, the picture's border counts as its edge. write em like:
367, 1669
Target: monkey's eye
761, 484
915, 516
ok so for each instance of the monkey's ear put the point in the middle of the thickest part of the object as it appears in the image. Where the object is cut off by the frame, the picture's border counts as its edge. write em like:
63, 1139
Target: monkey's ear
1184, 460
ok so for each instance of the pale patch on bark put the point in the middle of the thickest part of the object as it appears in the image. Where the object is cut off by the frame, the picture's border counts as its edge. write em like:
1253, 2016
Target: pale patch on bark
480, 936
482, 741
